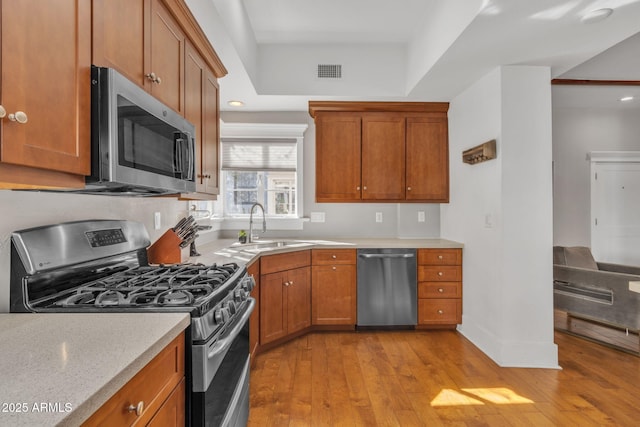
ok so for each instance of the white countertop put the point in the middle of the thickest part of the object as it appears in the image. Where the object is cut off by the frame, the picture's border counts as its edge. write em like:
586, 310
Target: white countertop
58, 369
228, 250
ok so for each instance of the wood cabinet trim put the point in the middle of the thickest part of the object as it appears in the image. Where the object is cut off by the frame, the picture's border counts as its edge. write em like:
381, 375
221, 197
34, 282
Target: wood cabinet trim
285, 261
333, 256
401, 107
439, 257
439, 311
194, 32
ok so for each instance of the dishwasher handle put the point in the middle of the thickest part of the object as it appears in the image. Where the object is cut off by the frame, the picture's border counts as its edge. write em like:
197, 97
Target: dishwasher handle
386, 255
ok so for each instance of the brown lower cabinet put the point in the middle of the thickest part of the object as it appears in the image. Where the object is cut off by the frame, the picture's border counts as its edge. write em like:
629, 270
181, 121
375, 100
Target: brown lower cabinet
439, 287
285, 295
333, 287
155, 395
317, 289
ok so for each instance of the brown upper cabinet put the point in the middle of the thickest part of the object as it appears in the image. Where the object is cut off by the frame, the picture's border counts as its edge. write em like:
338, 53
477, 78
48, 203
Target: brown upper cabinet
158, 45
143, 42
45, 93
46, 52
381, 151
201, 109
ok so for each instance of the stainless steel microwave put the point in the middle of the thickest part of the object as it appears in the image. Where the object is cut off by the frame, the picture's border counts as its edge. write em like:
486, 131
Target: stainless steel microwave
139, 146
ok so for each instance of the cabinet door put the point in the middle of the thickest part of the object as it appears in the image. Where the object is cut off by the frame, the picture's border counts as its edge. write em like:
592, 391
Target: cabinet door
334, 295
201, 109
338, 140
427, 159
194, 88
383, 156
171, 413
210, 136
119, 36
273, 321
298, 287
166, 57
46, 72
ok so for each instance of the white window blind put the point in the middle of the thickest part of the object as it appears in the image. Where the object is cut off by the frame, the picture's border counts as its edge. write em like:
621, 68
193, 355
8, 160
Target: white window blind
259, 154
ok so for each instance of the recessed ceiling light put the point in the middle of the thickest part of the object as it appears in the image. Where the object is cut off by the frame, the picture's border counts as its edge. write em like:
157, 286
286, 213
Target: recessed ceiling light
236, 103
596, 15
627, 99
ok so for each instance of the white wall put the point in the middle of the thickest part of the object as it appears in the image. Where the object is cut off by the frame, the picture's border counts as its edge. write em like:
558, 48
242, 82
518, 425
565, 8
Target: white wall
502, 211
22, 209
576, 132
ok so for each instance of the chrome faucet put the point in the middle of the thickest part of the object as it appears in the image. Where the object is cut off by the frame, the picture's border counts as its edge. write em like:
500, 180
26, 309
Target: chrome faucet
264, 221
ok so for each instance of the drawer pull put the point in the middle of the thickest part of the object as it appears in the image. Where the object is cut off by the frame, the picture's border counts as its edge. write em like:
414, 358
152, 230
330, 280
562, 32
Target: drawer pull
287, 283
333, 256
440, 273
439, 256
333, 268
138, 409
440, 312
440, 290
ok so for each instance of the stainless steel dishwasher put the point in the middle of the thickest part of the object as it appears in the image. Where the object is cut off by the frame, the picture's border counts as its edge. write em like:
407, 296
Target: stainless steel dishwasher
387, 287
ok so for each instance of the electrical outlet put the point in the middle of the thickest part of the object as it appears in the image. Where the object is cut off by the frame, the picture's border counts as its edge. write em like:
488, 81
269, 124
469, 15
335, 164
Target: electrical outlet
378, 216
317, 216
488, 221
421, 216
157, 220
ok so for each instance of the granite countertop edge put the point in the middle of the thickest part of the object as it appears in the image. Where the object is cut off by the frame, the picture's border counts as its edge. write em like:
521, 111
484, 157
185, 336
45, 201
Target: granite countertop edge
218, 251
76, 361
93, 403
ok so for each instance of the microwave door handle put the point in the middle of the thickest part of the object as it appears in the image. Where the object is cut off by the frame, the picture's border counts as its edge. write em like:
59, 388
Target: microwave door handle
190, 157
178, 156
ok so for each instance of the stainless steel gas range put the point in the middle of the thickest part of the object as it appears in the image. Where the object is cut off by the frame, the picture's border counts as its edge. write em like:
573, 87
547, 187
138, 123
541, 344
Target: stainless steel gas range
101, 266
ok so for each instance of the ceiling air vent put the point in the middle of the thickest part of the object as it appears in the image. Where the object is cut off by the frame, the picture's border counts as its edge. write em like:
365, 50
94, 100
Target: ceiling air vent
329, 71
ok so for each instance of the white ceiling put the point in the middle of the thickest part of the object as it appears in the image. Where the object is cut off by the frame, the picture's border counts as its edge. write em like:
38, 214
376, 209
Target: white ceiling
426, 50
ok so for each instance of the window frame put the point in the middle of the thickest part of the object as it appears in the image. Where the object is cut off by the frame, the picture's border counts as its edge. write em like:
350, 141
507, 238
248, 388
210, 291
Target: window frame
267, 131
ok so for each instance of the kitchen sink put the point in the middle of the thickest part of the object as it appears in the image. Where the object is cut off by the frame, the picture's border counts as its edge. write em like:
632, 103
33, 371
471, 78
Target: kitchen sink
268, 245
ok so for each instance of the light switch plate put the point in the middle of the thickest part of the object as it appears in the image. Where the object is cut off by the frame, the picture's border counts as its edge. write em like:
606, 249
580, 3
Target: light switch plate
421, 216
378, 216
157, 220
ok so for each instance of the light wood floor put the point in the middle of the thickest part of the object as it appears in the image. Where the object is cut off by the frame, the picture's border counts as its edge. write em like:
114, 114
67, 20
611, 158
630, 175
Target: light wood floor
432, 378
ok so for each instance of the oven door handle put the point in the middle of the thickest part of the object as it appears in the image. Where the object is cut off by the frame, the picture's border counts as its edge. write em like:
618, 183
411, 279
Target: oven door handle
224, 343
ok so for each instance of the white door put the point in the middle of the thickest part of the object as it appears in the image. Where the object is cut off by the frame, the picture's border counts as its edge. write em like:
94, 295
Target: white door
615, 210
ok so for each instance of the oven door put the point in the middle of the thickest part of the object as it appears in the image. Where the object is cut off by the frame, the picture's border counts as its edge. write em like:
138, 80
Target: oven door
220, 394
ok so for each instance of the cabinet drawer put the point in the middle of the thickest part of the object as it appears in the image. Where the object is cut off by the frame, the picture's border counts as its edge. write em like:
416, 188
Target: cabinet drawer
285, 261
333, 256
444, 273
439, 311
151, 386
439, 290
440, 257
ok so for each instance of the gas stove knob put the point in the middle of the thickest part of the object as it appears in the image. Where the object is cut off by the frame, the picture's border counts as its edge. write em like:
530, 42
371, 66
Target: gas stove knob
249, 283
225, 314
231, 306
239, 295
218, 317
